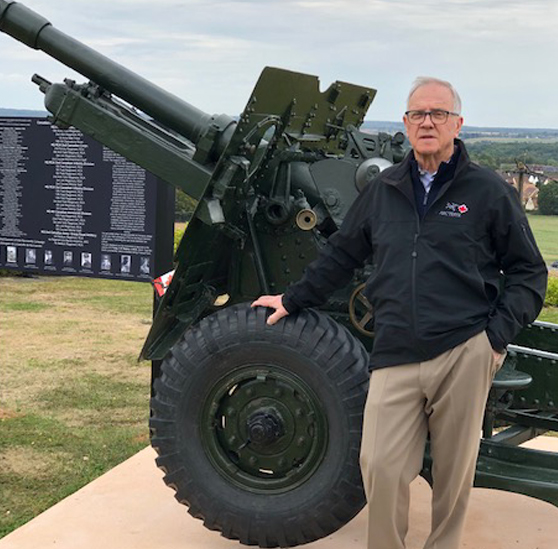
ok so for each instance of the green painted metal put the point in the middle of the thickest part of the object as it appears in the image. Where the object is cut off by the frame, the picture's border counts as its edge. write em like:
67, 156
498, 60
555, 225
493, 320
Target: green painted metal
268, 174
514, 469
271, 187
521, 470
539, 335
158, 150
542, 366
264, 429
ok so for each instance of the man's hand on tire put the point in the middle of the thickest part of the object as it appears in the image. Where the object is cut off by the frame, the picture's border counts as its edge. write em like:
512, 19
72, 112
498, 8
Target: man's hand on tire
273, 302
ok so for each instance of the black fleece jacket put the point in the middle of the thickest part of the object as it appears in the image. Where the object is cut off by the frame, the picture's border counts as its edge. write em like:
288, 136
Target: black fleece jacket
436, 281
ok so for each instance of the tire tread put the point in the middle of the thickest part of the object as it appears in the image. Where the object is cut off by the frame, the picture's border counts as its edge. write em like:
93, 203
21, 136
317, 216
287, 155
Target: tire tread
344, 361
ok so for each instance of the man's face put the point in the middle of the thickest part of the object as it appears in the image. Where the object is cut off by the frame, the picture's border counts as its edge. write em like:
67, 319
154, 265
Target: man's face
428, 139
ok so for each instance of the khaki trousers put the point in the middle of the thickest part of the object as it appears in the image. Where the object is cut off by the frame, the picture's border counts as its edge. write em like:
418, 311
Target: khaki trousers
445, 397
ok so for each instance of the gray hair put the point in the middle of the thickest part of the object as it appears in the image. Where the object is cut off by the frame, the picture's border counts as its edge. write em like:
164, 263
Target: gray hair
425, 80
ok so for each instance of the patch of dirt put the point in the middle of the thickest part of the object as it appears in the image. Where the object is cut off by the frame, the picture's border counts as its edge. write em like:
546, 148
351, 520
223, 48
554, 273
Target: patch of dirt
143, 438
9, 414
123, 417
31, 463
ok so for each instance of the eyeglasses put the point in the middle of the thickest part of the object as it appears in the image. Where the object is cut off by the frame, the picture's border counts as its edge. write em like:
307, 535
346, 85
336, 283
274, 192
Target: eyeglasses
437, 116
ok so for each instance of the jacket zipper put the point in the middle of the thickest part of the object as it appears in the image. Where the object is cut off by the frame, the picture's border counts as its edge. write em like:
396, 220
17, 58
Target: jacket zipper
414, 255
414, 306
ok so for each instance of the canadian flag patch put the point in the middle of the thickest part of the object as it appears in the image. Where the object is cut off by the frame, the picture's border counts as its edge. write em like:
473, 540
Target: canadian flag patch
454, 209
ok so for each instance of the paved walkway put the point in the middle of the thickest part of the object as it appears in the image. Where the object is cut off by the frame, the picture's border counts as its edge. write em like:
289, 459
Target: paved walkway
130, 508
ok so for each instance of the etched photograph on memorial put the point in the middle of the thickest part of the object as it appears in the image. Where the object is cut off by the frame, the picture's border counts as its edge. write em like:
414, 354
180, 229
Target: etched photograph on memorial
48, 258
86, 260
105, 262
11, 254
30, 256
68, 258
144, 265
125, 264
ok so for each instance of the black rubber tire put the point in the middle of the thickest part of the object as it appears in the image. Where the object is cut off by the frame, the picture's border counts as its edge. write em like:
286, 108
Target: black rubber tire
315, 349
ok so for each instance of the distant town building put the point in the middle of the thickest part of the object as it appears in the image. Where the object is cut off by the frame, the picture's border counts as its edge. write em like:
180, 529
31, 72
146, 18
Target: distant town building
538, 175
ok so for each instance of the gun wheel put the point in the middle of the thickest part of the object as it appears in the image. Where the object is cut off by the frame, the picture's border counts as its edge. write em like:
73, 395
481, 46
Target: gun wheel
258, 427
361, 311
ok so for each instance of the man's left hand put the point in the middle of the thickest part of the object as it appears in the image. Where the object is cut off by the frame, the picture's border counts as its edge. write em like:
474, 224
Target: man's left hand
496, 355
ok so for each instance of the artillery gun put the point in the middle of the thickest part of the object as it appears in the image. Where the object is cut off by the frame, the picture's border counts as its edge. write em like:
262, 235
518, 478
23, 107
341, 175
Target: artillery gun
258, 428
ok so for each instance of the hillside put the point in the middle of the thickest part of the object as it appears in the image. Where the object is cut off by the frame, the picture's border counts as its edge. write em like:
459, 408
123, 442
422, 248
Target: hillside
20, 112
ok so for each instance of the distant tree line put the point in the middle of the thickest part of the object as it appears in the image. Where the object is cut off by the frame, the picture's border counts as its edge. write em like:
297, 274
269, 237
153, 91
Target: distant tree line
493, 154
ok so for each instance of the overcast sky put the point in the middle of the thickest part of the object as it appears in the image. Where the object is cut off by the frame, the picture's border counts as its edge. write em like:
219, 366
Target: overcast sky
500, 54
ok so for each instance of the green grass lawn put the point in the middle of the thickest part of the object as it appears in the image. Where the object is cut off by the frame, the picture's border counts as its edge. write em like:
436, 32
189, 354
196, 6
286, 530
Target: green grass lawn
545, 229
549, 314
74, 401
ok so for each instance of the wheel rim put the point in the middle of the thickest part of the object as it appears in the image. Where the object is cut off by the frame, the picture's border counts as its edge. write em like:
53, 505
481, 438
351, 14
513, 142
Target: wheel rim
361, 311
264, 429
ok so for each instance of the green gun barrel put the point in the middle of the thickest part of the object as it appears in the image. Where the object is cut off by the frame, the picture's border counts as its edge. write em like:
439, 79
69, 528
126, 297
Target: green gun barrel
38, 33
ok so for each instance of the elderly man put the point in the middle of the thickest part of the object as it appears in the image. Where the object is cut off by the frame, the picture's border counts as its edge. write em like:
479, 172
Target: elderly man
456, 274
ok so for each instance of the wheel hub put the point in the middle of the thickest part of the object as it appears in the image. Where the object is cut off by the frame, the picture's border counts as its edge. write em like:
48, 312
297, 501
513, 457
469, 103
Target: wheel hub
264, 428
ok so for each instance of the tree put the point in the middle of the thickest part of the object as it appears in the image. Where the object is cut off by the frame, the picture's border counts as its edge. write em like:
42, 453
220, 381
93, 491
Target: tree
548, 198
184, 206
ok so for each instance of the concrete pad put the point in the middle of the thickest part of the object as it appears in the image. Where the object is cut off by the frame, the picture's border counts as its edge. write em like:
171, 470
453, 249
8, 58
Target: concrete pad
130, 507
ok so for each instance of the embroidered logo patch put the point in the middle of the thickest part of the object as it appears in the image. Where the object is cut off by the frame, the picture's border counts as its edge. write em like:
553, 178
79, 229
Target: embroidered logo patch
452, 209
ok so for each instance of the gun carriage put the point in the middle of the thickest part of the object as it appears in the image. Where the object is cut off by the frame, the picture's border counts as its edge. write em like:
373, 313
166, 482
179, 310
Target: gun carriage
258, 428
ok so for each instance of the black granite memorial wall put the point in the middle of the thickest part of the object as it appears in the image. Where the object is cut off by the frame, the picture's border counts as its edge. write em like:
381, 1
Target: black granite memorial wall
69, 205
